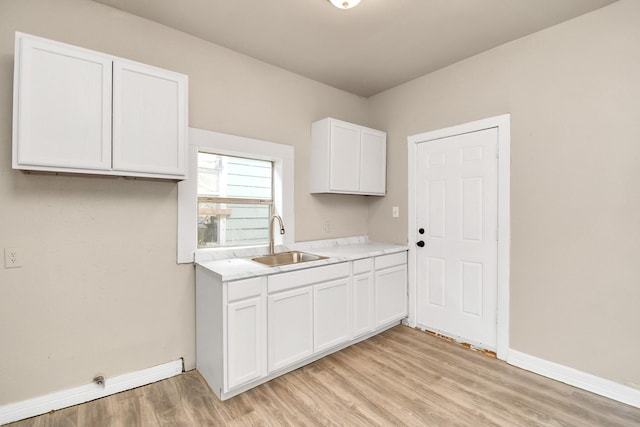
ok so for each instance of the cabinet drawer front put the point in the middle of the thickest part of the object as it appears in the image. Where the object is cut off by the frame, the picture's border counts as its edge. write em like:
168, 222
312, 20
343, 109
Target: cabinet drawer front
386, 261
362, 265
246, 288
308, 276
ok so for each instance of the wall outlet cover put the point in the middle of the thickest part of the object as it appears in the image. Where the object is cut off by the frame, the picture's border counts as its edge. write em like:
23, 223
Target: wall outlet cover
12, 257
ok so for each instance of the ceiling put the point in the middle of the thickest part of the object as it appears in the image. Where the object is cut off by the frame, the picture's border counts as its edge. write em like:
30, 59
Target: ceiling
365, 50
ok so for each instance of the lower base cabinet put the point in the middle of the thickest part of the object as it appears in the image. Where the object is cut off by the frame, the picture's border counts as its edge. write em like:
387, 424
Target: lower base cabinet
363, 301
391, 299
290, 327
390, 284
331, 302
251, 330
245, 341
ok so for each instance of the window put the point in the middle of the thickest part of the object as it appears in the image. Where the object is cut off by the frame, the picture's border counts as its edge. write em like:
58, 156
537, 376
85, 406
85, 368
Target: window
235, 200
279, 156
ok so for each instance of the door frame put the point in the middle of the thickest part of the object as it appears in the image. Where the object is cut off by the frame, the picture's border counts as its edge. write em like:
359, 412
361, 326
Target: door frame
502, 123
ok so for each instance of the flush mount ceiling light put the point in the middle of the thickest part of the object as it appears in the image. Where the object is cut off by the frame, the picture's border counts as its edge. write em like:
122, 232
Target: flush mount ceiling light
344, 4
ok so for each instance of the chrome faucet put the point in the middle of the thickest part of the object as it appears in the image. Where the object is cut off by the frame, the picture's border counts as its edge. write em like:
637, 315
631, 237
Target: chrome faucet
271, 238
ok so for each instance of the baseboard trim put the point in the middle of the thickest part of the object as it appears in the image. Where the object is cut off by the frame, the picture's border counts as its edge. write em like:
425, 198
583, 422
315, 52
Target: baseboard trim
576, 378
74, 396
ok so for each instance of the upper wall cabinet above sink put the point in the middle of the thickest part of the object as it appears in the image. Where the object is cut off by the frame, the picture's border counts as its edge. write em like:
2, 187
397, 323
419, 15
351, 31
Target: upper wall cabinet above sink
81, 111
347, 158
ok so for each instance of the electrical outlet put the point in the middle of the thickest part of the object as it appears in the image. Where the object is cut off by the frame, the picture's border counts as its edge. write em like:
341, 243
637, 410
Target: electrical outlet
12, 258
327, 226
396, 211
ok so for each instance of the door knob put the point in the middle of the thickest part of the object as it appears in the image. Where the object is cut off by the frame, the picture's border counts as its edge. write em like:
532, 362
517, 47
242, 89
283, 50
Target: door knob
421, 230
420, 244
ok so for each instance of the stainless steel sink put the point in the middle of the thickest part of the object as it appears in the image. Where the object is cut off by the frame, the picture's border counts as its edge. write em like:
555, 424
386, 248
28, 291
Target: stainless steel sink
285, 258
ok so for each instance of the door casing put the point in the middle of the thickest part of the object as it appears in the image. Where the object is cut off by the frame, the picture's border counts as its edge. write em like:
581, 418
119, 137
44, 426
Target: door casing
502, 123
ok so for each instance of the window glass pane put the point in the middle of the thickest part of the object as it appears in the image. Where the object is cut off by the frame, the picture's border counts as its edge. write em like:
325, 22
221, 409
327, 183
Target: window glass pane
232, 222
230, 177
209, 166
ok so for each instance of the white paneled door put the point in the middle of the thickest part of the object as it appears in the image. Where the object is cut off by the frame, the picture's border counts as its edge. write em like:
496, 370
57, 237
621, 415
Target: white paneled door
456, 218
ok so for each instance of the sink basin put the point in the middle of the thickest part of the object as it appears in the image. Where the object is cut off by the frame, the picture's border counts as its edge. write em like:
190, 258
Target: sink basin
285, 258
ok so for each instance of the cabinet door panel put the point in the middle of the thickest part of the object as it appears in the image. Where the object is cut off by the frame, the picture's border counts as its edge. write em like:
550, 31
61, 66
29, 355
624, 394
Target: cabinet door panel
362, 304
390, 294
245, 346
331, 314
62, 107
344, 157
290, 324
373, 157
149, 119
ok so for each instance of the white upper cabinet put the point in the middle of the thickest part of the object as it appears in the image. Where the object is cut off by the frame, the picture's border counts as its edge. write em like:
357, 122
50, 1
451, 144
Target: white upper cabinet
344, 155
62, 107
80, 111
373, 161
149, 119
347, 158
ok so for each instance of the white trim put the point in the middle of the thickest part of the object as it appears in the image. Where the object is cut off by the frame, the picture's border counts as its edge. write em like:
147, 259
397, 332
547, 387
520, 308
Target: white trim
576, 378
502, 123
232, 145
74, 396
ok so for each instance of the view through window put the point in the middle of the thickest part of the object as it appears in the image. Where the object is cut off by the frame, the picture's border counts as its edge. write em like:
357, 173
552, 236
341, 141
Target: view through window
235, 200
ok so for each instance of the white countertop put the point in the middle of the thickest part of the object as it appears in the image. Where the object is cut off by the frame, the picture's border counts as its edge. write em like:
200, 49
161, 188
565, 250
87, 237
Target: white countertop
238, 265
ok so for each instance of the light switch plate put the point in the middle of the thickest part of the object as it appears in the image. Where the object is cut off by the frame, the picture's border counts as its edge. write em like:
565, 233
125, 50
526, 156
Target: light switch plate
12, 257
396, 211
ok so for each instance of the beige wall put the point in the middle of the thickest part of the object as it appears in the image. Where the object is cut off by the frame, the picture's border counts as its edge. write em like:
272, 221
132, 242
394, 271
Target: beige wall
100, 290
573, 92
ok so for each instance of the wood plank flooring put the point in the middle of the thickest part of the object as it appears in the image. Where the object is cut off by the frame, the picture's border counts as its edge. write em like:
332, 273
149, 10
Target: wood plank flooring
402, 377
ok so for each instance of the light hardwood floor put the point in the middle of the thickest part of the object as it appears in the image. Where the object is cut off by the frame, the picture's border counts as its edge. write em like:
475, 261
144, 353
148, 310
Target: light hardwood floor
402, 377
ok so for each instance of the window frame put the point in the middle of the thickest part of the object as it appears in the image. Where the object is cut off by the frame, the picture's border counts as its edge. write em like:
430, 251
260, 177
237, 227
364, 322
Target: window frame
282, 157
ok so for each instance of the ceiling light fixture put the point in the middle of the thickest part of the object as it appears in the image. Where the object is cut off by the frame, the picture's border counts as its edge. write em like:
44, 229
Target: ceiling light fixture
344, 4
